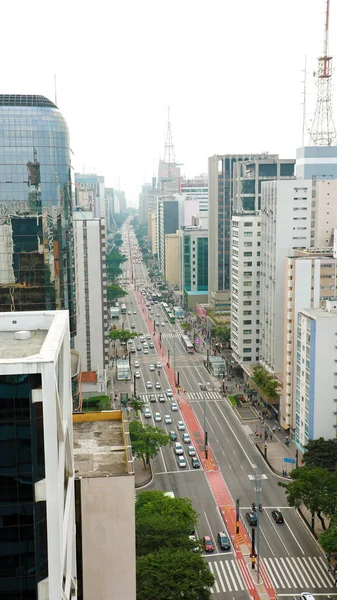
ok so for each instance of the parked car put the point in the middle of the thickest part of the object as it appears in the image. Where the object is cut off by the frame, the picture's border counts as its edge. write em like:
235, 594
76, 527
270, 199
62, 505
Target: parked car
208, 543
277, 516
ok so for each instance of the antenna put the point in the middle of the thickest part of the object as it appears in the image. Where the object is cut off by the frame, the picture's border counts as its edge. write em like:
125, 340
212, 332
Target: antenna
169, 156
304, 103
323, 132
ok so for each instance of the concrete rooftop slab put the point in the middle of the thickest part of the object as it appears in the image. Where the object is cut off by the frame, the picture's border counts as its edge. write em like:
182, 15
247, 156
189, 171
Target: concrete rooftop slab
99, 449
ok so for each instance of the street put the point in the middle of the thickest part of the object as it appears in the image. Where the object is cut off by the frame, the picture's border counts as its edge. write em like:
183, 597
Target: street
290, 558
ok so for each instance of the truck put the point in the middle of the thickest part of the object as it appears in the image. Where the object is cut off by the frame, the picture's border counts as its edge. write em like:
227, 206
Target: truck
114, 312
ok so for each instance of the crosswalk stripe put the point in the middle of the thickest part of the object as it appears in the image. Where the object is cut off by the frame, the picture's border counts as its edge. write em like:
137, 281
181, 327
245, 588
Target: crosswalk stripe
287, 569
238, 575
230, 572
215, 582
300, 575
321, 564
216, 566
277, 575
314, 569
226, 578
298, 572
309, 575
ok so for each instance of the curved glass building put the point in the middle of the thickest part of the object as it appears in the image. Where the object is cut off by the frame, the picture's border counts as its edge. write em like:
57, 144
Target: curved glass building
37, 270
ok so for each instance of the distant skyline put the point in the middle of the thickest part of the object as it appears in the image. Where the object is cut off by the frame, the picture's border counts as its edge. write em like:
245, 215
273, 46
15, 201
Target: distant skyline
231, 73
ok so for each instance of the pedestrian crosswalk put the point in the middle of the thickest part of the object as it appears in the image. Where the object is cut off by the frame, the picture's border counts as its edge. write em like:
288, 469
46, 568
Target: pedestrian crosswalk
171, 334
202, 395
227, 576
301, 572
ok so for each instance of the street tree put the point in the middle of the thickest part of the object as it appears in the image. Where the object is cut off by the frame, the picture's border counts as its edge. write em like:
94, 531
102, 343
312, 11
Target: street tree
328, 538
117, 240
121, 335
172, 573
222, 333
114, 292
266, 382
136, 404
113, 261
321, 453
314, 487
146, 441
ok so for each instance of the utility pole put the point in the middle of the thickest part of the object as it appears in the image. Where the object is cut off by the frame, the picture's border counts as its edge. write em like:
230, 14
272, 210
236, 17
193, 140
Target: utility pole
257, 480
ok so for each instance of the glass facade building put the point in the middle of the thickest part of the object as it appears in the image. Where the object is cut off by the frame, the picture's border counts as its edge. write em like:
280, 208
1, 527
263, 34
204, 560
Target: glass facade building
37, 270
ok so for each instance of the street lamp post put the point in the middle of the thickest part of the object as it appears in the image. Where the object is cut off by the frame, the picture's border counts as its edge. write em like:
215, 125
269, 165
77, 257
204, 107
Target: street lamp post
257, 480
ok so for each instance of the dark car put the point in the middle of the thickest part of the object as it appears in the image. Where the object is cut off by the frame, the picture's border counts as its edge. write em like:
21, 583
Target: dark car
277, 516
251, 518
208, 543
173, 436
195, 463
223, 540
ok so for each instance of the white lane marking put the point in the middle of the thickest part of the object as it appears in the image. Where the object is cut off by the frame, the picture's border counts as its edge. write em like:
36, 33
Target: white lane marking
269, 571
321, 565
314, 569
293, 570
211, 532
295, 538
238, 575
225, 576
210, 565
287, 570
219, 576
276, 573
300, 575
274, 526
265, 537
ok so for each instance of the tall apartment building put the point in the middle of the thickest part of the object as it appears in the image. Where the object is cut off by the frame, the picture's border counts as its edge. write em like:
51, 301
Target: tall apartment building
319, 162
245, 277
172, 258
197, 187
110, 209
167, 222
37, 525
95, 183
37, 268
120, 204
310, 280
325, 212
147, 201
316, 374
193, 265
93, 326
286, 224
153, 231
234, 182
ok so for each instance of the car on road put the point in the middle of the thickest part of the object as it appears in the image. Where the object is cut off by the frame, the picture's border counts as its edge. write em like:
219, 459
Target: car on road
134, 312
130, 341
133, 326
173, 436
162, 398
148, 337
157, 323
174, 406
147, 413
139, 348
151, 367
137, 363
207, 543
223, 541
181, 425
151, 345
146, 350
137, 374
251, 518
186, 438
153, 398
191, 451
159, 365
195, 463
133, 349
168, 419
142, 338
178, 448
157, 417
307, 596
169, 393
181, 462
163, 324
149, 385
158, 386
277, 516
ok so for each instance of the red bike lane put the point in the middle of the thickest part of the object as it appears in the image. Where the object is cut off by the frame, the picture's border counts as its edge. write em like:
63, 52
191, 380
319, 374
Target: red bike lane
215, 480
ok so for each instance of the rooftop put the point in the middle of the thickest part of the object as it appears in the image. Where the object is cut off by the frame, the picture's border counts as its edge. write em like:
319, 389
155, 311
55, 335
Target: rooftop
10, 347
99, 447
25, 100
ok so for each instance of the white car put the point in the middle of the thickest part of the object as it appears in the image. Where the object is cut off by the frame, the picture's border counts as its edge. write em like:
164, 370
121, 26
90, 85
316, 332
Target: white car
129, 312
169, 393
137, 363
148, 337
149, 385
157, 417
181, 425
147, 413
167, 420
163, 324
158, 386
151, 367
181, 462
178, 448
146, 350
174, 406
137, 374
186, 438
191, 451
159, 365
133, 326
134, 312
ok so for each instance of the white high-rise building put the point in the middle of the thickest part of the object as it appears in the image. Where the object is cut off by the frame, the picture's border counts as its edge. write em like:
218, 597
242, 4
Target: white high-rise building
316, 374
93, 326
36, 444
286, 224
245, 278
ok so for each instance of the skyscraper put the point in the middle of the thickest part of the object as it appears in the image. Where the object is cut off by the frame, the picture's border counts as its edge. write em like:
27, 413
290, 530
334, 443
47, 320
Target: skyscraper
37, 270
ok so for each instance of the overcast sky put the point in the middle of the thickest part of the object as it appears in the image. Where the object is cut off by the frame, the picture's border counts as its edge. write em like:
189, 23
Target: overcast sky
231, 71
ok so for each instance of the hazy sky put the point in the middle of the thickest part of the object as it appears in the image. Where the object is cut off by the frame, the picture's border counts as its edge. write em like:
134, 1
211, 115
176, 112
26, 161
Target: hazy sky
229, 69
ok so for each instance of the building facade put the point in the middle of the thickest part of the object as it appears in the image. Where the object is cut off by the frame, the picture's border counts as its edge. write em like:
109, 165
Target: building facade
316, 377
96, 184
172, 258
153, 231
37, 266
197, 188
319, 162
246, 293
286, 224
38, 553
193, 270
147, 201
310, 279
93, 324
167, 222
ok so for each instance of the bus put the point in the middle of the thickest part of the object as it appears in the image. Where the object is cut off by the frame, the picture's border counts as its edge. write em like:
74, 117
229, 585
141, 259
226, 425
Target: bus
159, 297
168, 312
178, 312
186, 342
114, 312
123, 309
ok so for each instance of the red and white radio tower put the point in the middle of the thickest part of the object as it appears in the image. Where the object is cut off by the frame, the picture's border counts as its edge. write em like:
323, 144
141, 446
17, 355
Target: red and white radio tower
323, 131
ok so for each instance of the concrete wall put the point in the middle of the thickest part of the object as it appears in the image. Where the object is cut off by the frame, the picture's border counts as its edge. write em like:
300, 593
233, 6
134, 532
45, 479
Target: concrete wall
326, 213
108, 536
172, 258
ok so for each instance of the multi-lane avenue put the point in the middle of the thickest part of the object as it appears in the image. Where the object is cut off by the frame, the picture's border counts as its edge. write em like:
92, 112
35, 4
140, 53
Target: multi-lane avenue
291, 559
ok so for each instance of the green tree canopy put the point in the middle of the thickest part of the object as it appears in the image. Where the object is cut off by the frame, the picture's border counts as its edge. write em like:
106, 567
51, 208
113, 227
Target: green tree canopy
171, 573
122, 335
113, 261
266, 382
222, 333
316, 488
146, 440
114, 292
117, 240
137, 404
321, 453
328, 539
